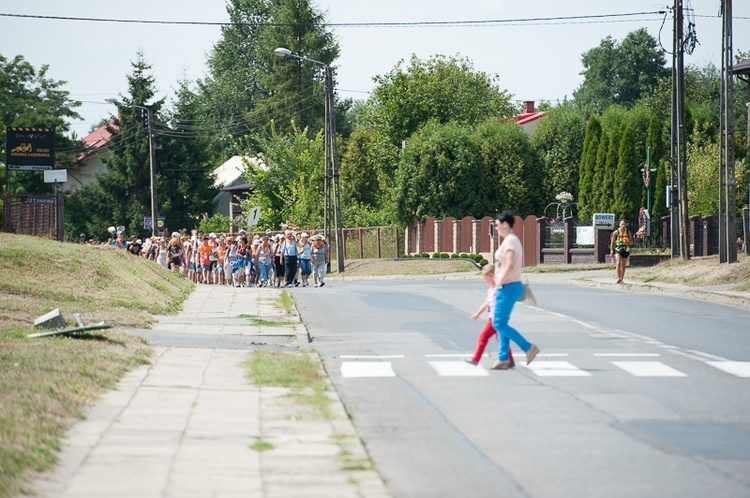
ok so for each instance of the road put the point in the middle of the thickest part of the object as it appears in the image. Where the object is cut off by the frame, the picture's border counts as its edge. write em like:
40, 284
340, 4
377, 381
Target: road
632, 394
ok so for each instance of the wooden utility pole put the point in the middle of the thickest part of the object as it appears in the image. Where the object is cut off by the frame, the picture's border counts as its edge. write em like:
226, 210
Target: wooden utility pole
727, 181
678, 176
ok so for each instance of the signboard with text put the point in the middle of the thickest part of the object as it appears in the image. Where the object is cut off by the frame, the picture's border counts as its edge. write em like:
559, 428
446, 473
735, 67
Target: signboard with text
604, 220
30, 149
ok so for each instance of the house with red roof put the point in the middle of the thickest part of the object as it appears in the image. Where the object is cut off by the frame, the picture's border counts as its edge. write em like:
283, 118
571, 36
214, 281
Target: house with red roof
91, 160
529, 119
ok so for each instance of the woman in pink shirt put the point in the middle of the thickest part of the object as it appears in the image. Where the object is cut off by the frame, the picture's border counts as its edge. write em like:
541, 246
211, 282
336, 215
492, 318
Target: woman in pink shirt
508, 265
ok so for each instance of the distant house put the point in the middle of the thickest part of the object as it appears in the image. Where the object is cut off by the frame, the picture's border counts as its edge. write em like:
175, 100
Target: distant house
91, 161
231, 183
529, 119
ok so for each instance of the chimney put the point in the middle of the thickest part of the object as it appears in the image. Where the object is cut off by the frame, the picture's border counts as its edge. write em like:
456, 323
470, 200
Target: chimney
529, 105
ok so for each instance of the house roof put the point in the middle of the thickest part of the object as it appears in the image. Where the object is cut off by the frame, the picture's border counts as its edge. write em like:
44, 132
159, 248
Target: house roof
95, 141
528, 117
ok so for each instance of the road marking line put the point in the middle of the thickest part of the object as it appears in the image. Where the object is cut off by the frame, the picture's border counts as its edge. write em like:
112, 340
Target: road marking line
370, 357
738, 368
367, 369
626, 354
451, 355
556, 369
648, 369
457, 369
553, 313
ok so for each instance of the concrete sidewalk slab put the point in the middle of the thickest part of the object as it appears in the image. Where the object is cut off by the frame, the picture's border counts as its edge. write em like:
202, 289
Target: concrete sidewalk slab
185, 425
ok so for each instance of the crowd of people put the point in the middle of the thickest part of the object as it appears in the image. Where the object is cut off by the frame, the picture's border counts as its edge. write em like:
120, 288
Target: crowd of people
285, 259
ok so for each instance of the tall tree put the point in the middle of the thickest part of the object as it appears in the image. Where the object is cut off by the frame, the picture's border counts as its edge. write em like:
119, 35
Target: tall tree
439, 174
658, 179
442, 89
600, 194
586, 171
627, 187
511, 171
620, 73
558, 141
28, 97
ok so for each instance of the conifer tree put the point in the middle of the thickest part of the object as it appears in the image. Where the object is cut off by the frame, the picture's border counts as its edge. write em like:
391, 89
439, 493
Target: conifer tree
627, 186
586, 171
598, 187
610, 171
655, 140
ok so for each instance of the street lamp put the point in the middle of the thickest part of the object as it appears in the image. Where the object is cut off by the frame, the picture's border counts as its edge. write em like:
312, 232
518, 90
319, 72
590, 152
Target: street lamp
331, 157
149, 121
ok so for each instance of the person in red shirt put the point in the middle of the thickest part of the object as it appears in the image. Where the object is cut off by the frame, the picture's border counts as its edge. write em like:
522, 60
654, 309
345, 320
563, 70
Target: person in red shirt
204, 253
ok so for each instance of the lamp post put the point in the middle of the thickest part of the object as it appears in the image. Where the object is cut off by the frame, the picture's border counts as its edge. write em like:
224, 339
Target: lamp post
331, 157
149, 121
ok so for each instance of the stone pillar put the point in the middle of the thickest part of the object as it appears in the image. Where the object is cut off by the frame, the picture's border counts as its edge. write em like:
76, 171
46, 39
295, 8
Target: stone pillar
569, 237
601, 244
438, 236
420, 234
456, 236
541, 239
475, 227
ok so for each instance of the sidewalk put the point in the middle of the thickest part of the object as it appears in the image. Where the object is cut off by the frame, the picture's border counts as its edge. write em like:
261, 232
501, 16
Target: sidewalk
183, 426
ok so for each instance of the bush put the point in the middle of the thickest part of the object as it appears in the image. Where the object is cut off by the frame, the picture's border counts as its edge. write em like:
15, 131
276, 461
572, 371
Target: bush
454, 256
463, 255
476, 257
424, 255
483, 262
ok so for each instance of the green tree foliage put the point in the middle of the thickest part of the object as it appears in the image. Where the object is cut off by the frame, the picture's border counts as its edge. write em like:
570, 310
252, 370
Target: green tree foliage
127, 179
558, 142
512, 176
248, 86
122, 195
655, 140
607, 190
185, 181
703, 177
600, 194
289, 184
586, 170
620, 73
439, 174
28, 97
627, 186
442, 89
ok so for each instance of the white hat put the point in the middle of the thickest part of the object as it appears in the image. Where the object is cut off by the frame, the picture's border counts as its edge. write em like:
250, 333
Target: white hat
175, 234
139, 241
304, 234
212, 235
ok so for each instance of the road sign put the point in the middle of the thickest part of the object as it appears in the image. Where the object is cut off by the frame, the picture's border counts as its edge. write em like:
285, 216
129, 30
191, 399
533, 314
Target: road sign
252, 218
161, 221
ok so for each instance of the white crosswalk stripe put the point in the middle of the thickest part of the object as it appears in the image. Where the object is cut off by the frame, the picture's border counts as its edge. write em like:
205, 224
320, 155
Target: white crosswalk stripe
738, 368
367, 369
648, 369
556, 369
457, 369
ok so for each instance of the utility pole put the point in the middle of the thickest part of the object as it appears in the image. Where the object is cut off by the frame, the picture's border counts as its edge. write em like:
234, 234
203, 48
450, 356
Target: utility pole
727, 181
678, 175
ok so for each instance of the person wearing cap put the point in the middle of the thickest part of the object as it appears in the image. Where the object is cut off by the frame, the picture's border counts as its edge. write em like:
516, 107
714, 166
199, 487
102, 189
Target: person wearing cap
230, 260
82, 238
221, 251
320, 259
204, 253
305, 263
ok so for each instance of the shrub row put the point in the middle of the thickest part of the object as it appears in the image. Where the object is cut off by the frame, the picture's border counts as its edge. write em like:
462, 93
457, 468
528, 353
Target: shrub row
444, 255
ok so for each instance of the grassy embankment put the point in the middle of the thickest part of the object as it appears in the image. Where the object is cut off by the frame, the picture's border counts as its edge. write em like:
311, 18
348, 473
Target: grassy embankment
47, 383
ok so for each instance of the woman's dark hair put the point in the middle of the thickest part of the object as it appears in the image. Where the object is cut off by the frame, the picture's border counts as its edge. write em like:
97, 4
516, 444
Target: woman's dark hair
506, 216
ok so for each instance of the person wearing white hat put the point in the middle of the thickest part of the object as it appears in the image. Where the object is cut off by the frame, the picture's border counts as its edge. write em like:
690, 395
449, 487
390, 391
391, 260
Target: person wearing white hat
320, 259
305, 263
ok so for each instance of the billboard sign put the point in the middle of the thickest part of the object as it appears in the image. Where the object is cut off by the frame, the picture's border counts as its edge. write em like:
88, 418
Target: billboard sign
30, 149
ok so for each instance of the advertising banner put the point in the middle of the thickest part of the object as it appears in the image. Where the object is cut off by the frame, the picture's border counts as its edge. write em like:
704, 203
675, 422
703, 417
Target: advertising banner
30, 149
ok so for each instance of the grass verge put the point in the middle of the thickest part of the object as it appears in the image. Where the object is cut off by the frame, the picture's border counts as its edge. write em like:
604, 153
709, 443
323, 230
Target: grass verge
299, 371
46, 384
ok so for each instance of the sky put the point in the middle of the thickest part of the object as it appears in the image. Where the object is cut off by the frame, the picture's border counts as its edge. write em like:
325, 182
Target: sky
532, 60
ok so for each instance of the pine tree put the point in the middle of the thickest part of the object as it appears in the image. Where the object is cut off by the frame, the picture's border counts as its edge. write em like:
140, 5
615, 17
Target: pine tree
586, 171
627, 186
655, 140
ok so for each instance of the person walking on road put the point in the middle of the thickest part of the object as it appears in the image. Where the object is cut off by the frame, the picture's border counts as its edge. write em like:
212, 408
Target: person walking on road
619, 247
508, 265
488, 272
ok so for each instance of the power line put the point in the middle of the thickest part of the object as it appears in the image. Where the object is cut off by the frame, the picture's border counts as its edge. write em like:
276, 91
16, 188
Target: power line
405, 24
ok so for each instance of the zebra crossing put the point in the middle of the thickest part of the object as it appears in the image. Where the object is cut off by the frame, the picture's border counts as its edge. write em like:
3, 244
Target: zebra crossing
546, 365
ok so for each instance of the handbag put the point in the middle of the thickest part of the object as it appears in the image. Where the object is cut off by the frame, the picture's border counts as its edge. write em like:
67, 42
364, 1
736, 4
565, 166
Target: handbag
527, 294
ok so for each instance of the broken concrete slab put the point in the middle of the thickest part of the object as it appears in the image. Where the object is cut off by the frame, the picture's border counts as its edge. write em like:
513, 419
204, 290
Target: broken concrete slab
52, 320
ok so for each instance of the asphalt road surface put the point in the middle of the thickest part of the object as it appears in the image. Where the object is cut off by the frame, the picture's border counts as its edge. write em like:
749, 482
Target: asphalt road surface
632, 395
